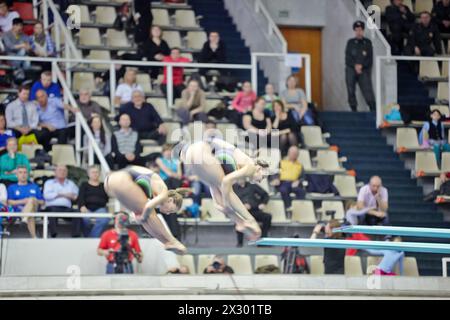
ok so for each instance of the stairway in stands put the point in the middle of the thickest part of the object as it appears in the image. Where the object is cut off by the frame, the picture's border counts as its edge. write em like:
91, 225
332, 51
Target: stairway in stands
369, 154
217, 18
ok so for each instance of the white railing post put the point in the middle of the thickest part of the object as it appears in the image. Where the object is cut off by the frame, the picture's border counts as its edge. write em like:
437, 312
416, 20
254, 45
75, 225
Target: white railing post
78, 140
112, 86
254, 72
90, 154
45, 14
444, 266
35, 9
57, 38
378, 91
308, 84
169, 85
54, 66
45, 227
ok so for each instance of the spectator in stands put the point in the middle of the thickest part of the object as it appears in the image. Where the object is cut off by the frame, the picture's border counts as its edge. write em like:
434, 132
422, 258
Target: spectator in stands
10, 161
270, 96
213, 50
425, 38
144, 19
45, 83
443, 190
289, 180
433, 135
400, 20
110, 244
154, 49
389, 261
88, 107
170, 168
144, 118
178, 73
218, 266
244, 100
52, 119
125, 90
374, 197
41, 42
193, 104
333, 259
59, 194
25, 197
5, 134
22, 116
284, 122
441, 14
358, 67
255, 200
92, 198
6, 17
17, 44
295, 99
101, 137
183, 269
258, 124
125, 145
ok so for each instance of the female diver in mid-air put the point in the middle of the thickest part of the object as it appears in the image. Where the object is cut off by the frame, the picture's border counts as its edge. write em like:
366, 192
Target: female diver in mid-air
220, 164
141, 190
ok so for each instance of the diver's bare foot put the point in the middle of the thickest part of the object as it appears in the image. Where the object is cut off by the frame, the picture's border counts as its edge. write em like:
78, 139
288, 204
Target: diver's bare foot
176, 247
251, 230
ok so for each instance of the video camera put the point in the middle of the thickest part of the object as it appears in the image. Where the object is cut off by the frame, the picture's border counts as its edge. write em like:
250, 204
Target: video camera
121, 256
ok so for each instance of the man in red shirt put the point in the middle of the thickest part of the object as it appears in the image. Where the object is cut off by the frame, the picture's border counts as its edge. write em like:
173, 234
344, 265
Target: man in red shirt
110, 246
178, 73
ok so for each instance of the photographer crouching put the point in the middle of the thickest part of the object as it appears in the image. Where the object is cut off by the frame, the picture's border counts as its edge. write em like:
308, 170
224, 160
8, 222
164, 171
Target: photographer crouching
120, 246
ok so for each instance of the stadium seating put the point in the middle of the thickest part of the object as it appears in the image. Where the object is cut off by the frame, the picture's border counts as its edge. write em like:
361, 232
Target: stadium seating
303, 212
203, 261
313, 137
316, 265
265, 260
276, 209
241, 264
426, 164
161, 17
407, 140
335, 207
188, 261
352, 266
346, 185
63, 154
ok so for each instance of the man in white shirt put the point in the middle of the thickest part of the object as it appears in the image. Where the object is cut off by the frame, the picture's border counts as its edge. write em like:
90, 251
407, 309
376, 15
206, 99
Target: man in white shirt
59, 194
6, 17
125, 90
374, 195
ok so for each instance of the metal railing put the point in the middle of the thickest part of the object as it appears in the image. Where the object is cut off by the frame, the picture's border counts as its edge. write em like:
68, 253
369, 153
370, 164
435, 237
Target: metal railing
375, 32
272, 27
381, 99
45, 216
80, 121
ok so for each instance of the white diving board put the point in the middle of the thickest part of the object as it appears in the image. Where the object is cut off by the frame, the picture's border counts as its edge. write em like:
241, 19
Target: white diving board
355, 244
396, 231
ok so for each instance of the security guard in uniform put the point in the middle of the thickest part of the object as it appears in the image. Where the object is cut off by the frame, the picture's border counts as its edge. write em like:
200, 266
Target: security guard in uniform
358, 61
425, 38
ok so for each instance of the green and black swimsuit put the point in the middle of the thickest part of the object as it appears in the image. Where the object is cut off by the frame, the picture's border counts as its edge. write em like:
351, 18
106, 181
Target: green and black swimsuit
224, 154
142, 177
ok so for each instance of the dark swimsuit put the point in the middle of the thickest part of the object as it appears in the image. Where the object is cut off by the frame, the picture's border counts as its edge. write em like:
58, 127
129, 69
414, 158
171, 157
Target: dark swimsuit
143, 180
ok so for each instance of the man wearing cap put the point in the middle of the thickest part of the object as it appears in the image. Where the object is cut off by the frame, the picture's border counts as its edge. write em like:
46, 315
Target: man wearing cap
110, 245
358, 61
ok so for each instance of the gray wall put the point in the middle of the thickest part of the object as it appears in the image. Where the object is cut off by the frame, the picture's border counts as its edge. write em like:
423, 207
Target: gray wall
300, 12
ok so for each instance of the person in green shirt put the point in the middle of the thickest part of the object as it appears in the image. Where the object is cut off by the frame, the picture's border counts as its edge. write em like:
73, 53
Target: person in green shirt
10, 161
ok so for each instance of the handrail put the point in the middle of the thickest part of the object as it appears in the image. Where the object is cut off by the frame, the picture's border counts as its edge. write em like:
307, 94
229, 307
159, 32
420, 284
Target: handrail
80, 121
273, 28
361, 9
193, 65
46, 215
60, 25
378, 63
